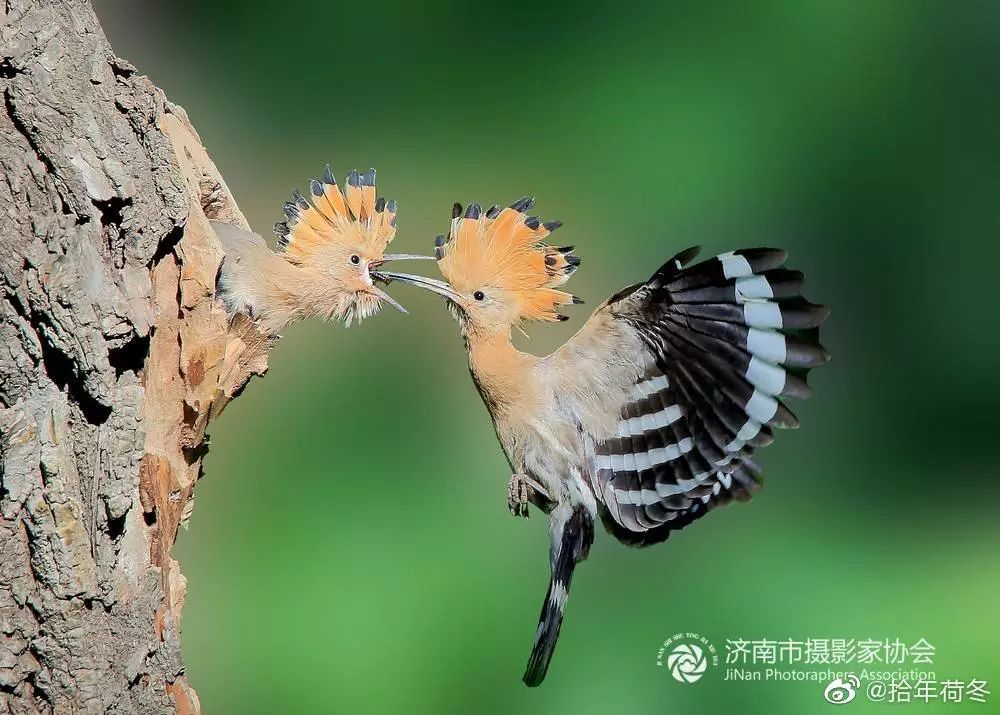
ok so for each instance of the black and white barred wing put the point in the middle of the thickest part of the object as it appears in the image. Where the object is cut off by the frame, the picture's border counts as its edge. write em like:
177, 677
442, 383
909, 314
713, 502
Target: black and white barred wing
728, 339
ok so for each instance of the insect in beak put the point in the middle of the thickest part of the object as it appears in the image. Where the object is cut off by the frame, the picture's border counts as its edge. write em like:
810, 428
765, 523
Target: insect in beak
381, 294
435, 286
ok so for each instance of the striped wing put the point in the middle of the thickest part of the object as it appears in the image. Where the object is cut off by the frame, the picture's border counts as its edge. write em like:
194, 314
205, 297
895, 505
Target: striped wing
728, 339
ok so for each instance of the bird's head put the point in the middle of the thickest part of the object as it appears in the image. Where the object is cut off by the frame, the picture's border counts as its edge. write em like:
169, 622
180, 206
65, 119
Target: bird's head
337, 238
498, 268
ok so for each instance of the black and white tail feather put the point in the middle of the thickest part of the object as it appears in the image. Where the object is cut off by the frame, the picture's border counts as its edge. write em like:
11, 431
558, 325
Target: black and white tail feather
571, 535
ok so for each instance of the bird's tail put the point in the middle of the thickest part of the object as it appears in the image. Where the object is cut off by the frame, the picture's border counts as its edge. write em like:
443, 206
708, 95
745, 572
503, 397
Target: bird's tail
572, 534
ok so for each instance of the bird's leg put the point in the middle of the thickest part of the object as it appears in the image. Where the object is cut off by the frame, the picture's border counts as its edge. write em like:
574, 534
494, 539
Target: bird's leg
520, 489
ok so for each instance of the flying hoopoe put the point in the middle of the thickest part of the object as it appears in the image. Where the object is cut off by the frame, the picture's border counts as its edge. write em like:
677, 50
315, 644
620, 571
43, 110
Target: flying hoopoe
326, 250
648, 417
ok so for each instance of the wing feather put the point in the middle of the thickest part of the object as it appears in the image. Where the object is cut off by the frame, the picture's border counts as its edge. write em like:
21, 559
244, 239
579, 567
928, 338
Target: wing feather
724, 341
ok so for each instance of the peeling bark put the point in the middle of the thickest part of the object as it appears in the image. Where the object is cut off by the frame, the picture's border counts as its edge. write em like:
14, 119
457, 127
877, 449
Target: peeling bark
114, 357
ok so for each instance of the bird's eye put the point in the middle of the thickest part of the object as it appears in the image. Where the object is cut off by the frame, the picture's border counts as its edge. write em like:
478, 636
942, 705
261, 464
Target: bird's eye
355, 259
479, 295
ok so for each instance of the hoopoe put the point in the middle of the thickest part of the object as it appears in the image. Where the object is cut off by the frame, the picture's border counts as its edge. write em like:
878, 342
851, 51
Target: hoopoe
648, 417
326, 250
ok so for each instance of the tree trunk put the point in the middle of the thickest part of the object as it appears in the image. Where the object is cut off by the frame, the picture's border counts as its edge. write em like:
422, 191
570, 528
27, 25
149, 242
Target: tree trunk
114, 356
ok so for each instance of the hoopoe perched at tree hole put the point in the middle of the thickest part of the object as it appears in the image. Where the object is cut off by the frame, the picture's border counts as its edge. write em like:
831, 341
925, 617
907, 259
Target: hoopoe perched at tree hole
648, 417
327, 247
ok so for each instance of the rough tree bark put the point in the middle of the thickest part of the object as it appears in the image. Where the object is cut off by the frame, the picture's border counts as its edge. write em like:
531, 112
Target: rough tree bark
114, 356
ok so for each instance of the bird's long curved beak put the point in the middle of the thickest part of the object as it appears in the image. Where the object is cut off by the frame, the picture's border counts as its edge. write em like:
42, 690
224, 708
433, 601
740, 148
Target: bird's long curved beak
374, 274
403, 257
388, 299
435, 286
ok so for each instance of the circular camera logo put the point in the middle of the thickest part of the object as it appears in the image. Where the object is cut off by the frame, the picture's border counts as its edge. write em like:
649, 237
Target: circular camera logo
687, 656
687, 662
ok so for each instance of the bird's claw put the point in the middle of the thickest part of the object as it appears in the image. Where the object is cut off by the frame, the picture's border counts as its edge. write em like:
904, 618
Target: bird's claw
520, 489
517, 495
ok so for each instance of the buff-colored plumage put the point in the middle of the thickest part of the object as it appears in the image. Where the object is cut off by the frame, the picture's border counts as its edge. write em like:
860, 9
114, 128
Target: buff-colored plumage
325, 249
357, 221
506, 249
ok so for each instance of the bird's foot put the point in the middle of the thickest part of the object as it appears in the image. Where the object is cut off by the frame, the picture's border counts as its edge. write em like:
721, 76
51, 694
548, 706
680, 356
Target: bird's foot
520, 489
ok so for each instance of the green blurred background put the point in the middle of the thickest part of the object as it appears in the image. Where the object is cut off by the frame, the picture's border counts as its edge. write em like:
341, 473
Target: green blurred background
351, 549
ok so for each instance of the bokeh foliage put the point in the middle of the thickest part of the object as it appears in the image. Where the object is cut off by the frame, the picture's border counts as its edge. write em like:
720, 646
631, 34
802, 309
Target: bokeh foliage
351, 550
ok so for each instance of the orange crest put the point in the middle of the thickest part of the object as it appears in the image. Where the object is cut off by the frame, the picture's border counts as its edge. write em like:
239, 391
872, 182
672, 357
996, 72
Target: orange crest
506, 249
354, 218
